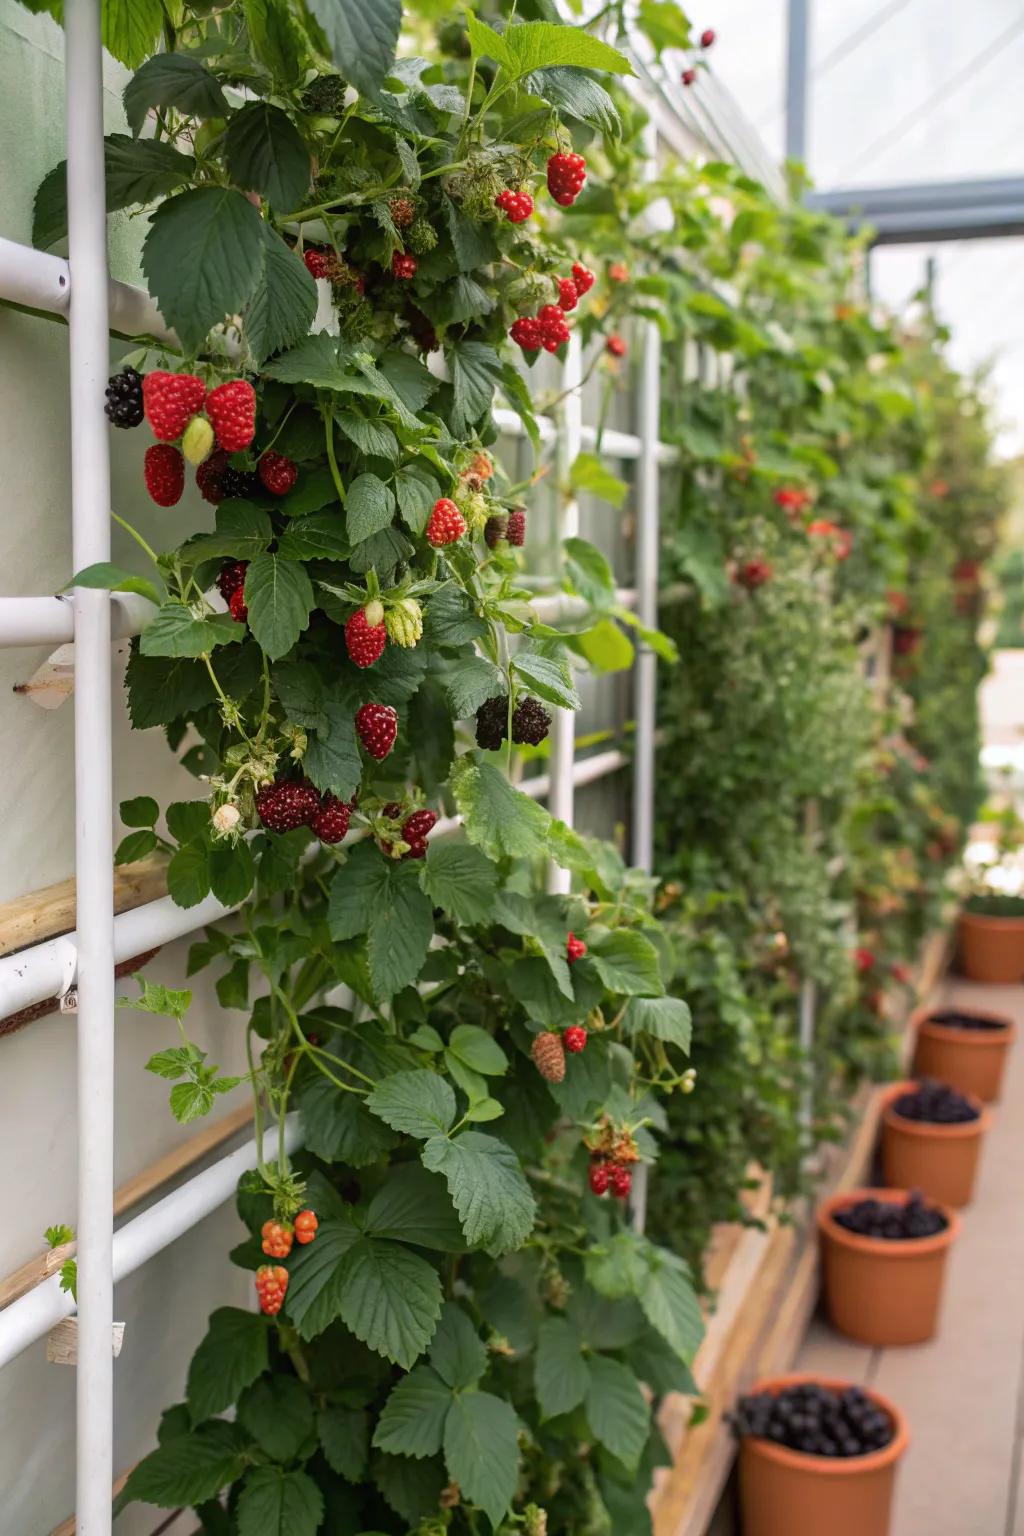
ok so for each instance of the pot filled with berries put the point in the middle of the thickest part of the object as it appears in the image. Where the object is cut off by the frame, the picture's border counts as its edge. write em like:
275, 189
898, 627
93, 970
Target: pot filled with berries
817, 1456
883, 1254
931, 1140
963, 1047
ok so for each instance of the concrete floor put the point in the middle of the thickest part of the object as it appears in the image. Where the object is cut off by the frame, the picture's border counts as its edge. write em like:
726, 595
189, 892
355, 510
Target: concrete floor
964, 1393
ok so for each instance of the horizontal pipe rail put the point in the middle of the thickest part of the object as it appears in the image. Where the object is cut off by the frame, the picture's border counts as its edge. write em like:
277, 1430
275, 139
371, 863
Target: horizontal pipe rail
33, 1315
50, 620
37, 280
614, 444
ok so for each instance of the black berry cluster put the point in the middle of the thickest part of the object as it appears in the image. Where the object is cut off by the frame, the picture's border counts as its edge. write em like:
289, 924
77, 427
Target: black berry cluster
530, 723
893, 1220
325, 96
953, 1020
935, 1103
814, 1419
124, 407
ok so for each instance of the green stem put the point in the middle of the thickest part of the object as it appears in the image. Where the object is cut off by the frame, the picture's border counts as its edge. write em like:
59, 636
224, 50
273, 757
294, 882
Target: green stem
328, 419
136, 536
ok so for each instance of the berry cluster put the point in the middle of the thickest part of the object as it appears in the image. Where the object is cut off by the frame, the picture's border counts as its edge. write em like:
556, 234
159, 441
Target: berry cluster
752, 574
582, 277
616, 345
416, 828
530, 723
935, 1103
953, 1020
277, 473
171, 403
575, 949
446, 524
566, 175
815, 1420
287, 804
403, 266
271, 1285
864, 960
606, 1174
516, 206
366, 635
231, 584
548, 330
893, 1220
124, 406
575, 1039
791, 498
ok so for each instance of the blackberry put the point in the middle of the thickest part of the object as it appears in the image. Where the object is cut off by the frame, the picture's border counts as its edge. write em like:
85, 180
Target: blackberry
239, 484
495, 529
815, 1419
530, 723
953, 1020
492, 723
325, 96
935, 1103
124, 406
891, 1220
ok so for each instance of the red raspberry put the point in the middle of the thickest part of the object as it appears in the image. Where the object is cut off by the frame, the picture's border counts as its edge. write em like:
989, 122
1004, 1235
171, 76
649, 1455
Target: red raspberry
622, 1181
753, 573
575, 1038
568, 294
231, 408
170, 401
318, 263
403, 266
377, 728
305, 1226
446, 525
232, 578
277, 473
164, 473
566, 175
583, 278
600, 1177
689, 77
526, 333
865, 960
287, 804
517, 206
575, 949
415, 829
707, 37
237, 607
271, 1285
277, 1239
616, 345
365, 641
330, 824
791, 498
553, 327
515, 529
208, 477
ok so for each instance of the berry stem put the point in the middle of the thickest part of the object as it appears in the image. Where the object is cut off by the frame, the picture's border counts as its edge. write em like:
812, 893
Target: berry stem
137, 537
328, 416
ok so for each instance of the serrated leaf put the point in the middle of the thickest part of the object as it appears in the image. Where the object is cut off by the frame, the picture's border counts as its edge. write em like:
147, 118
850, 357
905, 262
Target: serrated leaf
457, 1353
476, 371
590, 474
383, 899
516, 392
131, 29
416, 490
315, 1286
478, 1050
277, 40
338, 1127
202, 258
231, 1356
345, 1436
461, 880
627, 963
487, 1186
283, 303
279, 597
369, 507
174, 631
136, 171
418, 1103
577, 95
362, 36
188, 875
560, 1374
315, 536
547, 678
190, 1468
617, 1411
663, 1018
669, 1302
474, 681
391, 1299
173, 80
142, 811
498, 818
278, 1503
265, 153
277, 1411
374, 438
590, 572
413, 1206
135, 846
481, 1451
412, 1420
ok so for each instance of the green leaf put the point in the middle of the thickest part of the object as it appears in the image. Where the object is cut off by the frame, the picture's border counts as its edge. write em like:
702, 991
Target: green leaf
137, 171
462, 299
665, 23
577, 95
560, 1374
547, 678
476, 371
277, 40
473, 682
278, 1412
229, 1359
516, 392
383, 899
478, 1050
111, 578
202, 258
332, 761
412, 1420
140, 812
243, 532
362, 36
190, 1468
265, 153
173, 631
412, 1206
279, 597
670, 1303
548, 45
315, 1288
461, 880
283, 302
590, 572
499, 819
369, 507
590, 474
299, 688
391, 1299
345, 1437
418, 1103
481, 1451
374, 438
278, 1503
617, 1411
417, 490
338, 1127
488, 1189
232, 873
173, 80
131, 29
457, 1353
188, 875
135, 846
315, 536
605, 647
627, 963
663, 1018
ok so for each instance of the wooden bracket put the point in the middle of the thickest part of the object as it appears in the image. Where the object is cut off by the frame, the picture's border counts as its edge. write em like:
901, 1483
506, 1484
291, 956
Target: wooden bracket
62, 1342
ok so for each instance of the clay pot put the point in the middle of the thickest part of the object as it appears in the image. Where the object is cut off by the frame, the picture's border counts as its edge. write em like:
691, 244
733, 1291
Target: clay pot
939, 1160
789, 1493
877, 1290
970, 1060
992, 948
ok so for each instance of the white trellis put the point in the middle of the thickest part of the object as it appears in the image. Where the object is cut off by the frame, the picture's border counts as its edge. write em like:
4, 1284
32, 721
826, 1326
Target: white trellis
82, 962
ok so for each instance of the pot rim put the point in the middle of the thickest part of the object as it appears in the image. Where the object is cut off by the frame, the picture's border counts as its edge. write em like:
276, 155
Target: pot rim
828, 1466
989, 920
962, 1131
880, 1247
985, 1039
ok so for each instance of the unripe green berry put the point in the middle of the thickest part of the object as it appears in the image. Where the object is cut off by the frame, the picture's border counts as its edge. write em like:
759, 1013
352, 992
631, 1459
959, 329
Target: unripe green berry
197, 442
374, 612
404, 622
422, 237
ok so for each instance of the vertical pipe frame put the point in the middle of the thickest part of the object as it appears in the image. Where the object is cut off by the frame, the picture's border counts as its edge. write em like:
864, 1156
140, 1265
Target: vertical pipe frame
808, 1009
89, 344
797, 39
561, 798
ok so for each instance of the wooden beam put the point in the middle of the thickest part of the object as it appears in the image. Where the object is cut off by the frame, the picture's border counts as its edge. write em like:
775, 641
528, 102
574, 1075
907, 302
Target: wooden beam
45, 914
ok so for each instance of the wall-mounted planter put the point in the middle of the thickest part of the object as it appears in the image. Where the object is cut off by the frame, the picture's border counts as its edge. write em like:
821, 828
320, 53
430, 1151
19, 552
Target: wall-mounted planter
790, 1493
963, 1047
992, 948
939, 1160
882, 1291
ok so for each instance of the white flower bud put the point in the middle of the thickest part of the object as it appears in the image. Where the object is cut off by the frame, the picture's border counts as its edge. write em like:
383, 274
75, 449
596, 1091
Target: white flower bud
226, 818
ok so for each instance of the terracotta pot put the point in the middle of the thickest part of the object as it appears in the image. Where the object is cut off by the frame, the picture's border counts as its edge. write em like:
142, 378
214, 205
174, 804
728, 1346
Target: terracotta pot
970, 1060
992, 948
939, 1160
789, 1493
877, 1290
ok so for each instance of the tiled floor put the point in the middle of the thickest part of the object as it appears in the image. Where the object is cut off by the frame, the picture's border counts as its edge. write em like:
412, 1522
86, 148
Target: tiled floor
963, 1393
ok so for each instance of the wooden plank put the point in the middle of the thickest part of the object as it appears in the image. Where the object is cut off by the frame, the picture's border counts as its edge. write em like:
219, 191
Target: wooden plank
69, 1526
45, 914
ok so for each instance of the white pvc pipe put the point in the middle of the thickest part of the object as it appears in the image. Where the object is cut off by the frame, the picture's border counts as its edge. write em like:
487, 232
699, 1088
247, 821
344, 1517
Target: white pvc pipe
51, 620
90, 501
561, 794
614, 444
34, 1314
38, 280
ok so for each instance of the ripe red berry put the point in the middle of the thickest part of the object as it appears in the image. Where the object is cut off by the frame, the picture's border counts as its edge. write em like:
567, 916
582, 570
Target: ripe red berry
865, 960
271, 1285
753, 574
415, 829
583, 278
600, 1177
277, 473
618, 272
568, 293
276, 1239
318, 263
306, 1226
364, 641
446, 524
237, 607
553, 327
231, 578
209, 477
622, 1181
566, 175
330, 824
517, 206
575, 1038
575, 949
515, 528
403, 266
689, 77
526, 333
231, 408
287, 804
707, 37
377, 728
164, 473
170, 401
616, 345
